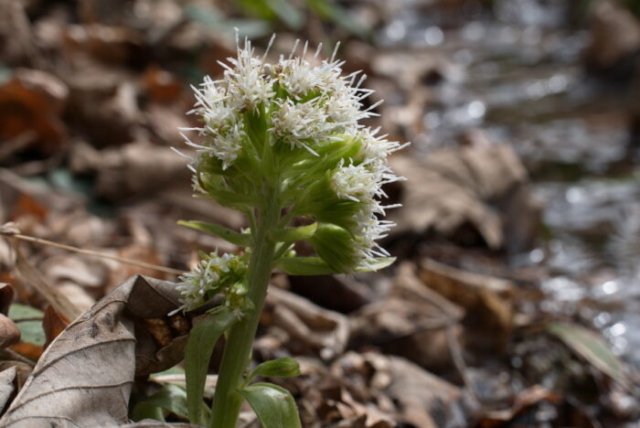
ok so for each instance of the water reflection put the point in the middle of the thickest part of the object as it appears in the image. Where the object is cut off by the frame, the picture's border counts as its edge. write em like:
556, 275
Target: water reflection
523, 82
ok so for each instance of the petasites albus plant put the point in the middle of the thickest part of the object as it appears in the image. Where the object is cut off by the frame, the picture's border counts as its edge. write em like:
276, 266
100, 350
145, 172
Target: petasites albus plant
283, 144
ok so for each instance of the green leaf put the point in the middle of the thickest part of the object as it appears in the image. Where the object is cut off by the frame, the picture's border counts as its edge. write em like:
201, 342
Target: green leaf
281, 367
304, 266
317, 266
29, 322
287, 12
330, 10
202, 340
274, 405
592, 347
292, 234
237, 238
171, 398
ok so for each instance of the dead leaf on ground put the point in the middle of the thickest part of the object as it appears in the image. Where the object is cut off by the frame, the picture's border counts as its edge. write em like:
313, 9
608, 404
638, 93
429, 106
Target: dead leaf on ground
34, 279
615, 36
424, 400
110, 44
104, 108
412, 322
593, 348
468, 185
488, 301
86, 374
33, 100
310, 328
6, 385
53, 325
132, 170
9, 332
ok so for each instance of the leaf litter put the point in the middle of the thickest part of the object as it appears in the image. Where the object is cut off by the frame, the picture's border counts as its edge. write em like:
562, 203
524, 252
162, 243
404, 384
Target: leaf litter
455, 335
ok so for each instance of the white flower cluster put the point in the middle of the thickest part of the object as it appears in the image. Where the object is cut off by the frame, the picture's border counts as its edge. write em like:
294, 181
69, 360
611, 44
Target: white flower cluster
304, 104
319, 103
209, 276
363, 183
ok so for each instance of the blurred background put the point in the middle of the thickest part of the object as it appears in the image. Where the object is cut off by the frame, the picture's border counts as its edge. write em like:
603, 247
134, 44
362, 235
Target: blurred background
515, 301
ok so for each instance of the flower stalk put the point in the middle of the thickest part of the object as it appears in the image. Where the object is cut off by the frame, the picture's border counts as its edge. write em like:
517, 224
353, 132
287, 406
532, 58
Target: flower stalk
237, 352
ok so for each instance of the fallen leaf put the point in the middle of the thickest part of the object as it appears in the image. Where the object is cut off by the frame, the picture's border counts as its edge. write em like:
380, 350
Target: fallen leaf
424, 400
310, 327
9, 332
488, 300
412, 322
615, 36
592, 347
34, 100
51, 294
53, 324
468, 185
161, 85
86, 374
6, 385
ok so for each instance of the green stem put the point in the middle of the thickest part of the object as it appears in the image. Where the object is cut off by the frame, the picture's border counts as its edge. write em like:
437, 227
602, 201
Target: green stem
237, 352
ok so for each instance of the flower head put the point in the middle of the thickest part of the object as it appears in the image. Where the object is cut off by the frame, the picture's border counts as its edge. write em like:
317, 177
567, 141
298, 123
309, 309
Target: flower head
210, 276
295, 125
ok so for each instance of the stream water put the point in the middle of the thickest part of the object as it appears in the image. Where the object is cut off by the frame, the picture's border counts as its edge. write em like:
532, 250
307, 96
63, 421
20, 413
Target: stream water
520, 78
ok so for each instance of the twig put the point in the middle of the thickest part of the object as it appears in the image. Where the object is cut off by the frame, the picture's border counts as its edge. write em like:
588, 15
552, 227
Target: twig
9, 231
458, 361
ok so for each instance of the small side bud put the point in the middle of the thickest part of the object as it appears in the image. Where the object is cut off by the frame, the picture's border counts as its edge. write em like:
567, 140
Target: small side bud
282, 367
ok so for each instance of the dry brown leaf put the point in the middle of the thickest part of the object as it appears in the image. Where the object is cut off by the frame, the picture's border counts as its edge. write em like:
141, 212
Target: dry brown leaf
106, 43
53, 324
615, 35
17, 45
412, 322
33, 100
86, 374
9, 332
161, 85
6, 296
311, 327
6, 385
472, 184
488, 300
105, 104
135, 169
424, 400
32, 276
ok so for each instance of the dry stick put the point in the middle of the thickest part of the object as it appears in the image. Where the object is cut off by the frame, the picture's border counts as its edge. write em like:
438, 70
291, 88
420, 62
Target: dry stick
28, 238
458, 361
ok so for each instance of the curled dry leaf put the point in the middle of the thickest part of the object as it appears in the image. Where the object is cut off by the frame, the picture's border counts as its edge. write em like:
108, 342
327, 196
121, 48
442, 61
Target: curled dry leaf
33, 101
470, 185
86, 374
412, 322
424, 400
106, 43
311, 327
135, 169
32, 276
6, 385
488, 301
615, 36
9, 332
